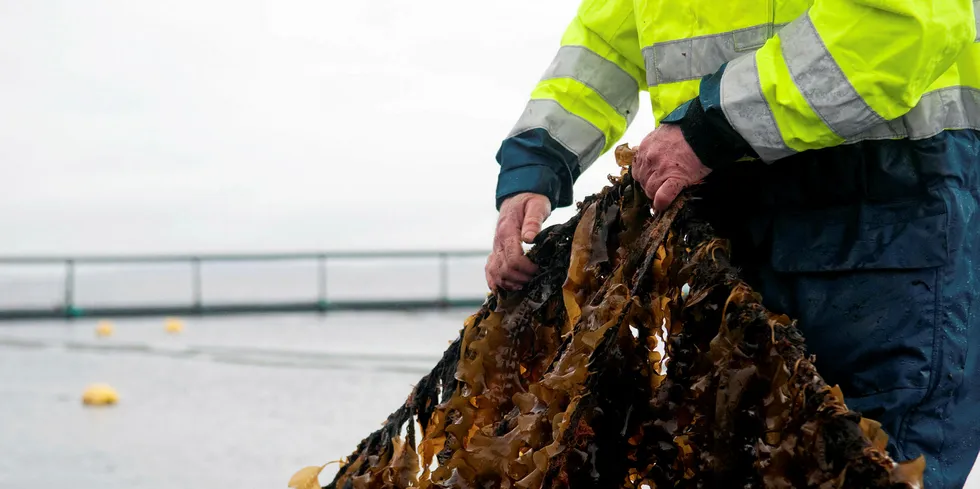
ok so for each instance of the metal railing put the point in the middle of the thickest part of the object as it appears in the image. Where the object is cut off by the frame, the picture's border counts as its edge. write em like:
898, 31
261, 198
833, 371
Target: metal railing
68, 308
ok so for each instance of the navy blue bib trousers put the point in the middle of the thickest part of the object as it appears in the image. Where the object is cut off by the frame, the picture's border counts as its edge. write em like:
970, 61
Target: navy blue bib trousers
874, 248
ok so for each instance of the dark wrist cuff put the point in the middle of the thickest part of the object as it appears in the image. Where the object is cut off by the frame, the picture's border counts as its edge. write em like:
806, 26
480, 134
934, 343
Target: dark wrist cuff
539, 179
705, 127
713, 150
533, 161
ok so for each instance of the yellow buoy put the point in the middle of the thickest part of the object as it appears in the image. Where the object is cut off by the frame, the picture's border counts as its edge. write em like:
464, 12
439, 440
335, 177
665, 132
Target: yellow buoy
99, 395
173, 325
103, 328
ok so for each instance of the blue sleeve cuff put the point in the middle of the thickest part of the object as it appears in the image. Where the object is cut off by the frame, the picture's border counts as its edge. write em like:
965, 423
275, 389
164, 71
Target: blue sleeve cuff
533, 161
707, 130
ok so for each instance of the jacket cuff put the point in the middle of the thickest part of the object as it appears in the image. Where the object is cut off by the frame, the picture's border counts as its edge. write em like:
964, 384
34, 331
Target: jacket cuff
705, 127
533, 161
530, 178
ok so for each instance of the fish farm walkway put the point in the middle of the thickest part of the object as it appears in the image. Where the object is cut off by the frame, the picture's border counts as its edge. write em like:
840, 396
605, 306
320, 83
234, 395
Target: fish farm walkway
66, 307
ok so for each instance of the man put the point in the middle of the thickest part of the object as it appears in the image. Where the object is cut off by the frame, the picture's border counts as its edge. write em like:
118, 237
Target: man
838, 144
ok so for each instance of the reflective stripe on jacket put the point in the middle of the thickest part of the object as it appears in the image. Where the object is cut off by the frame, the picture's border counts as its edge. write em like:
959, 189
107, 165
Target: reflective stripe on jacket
785, 75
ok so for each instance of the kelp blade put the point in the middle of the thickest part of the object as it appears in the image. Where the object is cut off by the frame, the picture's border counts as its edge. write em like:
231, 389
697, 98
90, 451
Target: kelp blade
635, 358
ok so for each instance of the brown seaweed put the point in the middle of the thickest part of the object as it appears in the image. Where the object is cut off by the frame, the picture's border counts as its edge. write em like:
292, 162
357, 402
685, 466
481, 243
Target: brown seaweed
635, 358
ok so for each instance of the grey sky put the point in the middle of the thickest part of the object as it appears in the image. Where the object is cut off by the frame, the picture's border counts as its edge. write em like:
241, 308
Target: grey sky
193, 125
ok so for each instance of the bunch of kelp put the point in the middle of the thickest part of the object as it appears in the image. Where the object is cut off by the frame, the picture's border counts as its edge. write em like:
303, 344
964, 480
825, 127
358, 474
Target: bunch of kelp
635, 358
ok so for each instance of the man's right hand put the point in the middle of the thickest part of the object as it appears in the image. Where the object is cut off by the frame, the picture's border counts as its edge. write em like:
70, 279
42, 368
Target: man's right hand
521, 217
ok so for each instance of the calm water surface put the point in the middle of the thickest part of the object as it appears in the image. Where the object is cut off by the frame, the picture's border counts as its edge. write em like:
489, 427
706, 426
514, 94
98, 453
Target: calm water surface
230, 402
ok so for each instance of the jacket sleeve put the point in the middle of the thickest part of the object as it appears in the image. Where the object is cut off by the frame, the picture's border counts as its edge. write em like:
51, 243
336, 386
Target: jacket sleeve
580, 108
837, 71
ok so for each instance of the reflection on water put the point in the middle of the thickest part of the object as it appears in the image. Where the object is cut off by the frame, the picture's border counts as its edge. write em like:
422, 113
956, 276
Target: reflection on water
229, 402
401, 363
238, 401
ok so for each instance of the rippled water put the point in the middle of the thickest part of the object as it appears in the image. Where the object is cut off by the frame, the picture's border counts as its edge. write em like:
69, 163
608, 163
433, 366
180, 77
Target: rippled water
230, 402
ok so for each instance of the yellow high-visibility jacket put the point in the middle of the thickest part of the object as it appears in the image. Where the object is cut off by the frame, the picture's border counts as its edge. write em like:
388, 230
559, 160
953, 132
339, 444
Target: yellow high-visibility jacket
786, 76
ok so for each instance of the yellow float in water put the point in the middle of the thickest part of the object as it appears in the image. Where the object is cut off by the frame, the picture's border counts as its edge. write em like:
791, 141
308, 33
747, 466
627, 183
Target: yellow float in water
103, 328
99, 395
173, 325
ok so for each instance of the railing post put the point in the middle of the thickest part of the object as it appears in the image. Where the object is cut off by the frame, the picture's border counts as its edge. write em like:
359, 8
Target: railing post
69, 288
196, 282
444, 279
322, 282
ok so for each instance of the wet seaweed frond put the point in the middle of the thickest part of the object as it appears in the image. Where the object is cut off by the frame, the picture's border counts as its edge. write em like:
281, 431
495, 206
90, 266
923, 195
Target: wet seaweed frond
635, 358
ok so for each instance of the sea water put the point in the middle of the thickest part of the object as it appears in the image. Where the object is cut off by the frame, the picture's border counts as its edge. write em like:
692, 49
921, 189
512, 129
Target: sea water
229, 402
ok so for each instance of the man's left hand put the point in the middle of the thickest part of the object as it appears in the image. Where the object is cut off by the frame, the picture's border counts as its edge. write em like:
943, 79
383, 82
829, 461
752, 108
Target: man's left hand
665, 165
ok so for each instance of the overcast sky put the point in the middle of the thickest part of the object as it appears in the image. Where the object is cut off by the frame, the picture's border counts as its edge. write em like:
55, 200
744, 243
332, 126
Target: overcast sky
212, 125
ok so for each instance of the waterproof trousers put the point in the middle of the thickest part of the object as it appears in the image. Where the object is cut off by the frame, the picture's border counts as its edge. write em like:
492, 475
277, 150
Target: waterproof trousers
875, 249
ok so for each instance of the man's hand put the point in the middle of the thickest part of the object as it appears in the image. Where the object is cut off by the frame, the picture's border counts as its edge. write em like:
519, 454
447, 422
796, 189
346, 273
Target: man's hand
520, 218
665, 165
